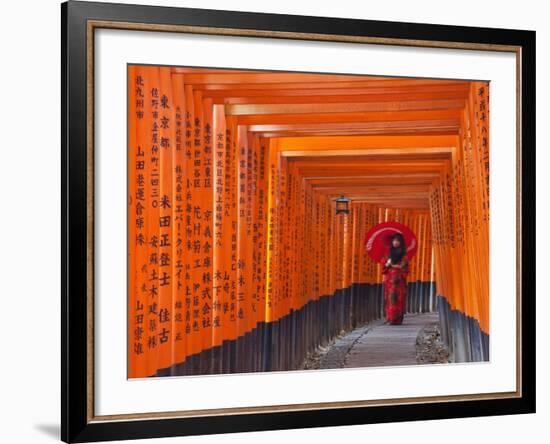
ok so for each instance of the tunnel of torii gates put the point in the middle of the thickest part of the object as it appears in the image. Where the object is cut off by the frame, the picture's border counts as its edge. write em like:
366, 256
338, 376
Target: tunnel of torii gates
237, 260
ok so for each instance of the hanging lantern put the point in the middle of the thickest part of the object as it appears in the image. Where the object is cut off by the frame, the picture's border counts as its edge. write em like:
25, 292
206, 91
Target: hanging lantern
342, 205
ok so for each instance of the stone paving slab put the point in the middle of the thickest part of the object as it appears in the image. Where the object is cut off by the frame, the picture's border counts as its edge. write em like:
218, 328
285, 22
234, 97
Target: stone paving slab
386, 344
336, 355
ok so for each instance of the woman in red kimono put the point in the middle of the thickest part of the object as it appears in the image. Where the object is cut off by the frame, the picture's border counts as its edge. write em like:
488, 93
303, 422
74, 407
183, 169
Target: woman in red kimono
395, 274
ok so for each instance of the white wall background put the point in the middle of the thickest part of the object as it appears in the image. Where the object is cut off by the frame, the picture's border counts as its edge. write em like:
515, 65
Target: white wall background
30, 218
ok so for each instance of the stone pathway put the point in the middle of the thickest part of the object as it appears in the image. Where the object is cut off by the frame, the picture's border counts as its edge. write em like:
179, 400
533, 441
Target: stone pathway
336, 354
381, 344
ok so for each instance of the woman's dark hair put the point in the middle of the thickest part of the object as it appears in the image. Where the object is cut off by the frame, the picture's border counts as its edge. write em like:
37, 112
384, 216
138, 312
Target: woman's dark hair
397, 253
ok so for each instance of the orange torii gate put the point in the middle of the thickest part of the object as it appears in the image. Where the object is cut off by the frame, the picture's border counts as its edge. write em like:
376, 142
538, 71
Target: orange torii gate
237, 261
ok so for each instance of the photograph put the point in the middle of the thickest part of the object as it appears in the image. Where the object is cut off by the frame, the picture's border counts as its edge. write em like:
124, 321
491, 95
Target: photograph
281, 221
274, 221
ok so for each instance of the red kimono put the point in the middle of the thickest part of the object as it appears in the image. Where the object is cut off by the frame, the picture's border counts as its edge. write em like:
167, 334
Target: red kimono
395, 290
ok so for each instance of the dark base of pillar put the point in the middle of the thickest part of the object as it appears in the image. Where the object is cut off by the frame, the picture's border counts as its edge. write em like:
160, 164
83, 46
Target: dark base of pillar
283, 344
462, 334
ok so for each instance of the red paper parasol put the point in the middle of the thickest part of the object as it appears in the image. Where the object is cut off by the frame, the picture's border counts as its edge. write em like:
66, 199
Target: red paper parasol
378, 240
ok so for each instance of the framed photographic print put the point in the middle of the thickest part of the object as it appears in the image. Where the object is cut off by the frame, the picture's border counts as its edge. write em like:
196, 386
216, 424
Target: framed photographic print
277, 221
